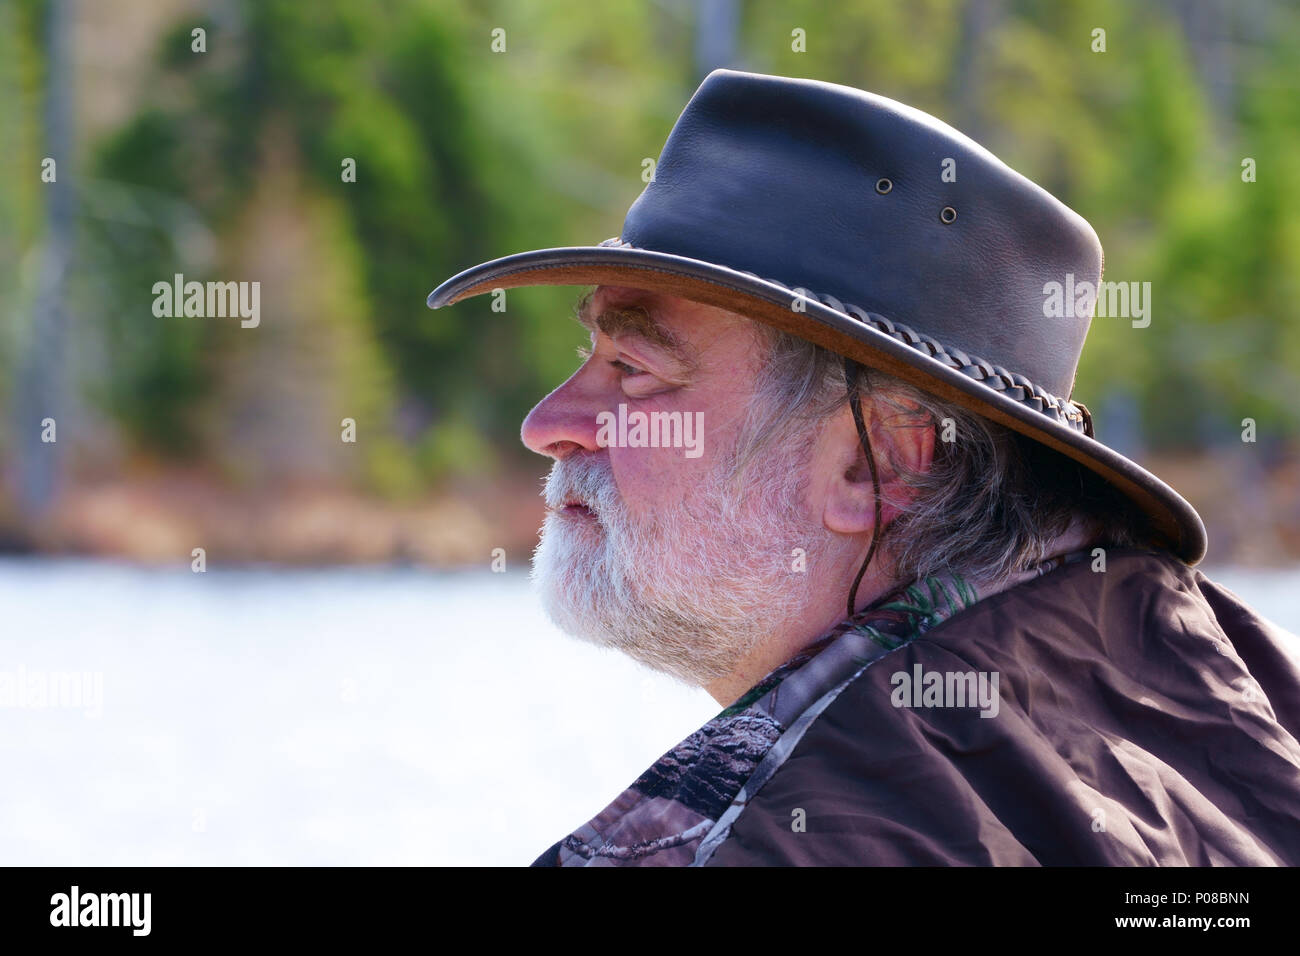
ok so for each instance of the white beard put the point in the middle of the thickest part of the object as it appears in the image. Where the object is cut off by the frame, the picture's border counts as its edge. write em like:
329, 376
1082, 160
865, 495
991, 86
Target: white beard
695, 588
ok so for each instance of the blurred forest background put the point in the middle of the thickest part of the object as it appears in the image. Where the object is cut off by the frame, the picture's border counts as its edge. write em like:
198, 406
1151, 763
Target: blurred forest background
225, 164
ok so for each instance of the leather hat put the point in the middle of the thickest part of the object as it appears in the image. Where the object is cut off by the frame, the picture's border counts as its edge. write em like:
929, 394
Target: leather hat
876, 231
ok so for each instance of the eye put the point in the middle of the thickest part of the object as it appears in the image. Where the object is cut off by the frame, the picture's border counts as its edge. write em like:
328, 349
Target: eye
626, 369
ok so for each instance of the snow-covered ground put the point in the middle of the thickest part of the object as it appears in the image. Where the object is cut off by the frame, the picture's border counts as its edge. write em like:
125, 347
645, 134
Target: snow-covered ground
344, 716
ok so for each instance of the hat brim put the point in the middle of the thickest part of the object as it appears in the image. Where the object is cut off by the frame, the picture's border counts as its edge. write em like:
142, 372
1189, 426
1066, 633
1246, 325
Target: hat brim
1172, 517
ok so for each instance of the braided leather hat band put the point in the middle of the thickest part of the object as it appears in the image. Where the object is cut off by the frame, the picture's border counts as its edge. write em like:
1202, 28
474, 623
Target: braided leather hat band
1012, 385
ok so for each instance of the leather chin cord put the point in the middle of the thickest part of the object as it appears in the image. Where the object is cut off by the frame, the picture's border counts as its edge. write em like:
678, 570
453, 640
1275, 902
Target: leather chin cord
851, 371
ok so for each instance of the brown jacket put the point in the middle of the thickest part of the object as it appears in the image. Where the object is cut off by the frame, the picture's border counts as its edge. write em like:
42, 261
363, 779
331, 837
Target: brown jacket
1146, 716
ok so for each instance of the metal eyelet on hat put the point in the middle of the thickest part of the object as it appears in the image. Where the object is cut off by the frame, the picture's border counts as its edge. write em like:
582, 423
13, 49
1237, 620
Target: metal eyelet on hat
947, 215
883, 185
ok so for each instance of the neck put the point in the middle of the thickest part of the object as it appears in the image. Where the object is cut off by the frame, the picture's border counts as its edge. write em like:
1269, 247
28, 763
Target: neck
811, 623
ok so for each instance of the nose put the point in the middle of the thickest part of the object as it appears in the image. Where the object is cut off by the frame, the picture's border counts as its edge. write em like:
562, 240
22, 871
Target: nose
564, 421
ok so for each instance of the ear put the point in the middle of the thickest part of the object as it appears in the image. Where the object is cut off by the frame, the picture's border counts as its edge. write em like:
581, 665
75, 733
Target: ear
902, 436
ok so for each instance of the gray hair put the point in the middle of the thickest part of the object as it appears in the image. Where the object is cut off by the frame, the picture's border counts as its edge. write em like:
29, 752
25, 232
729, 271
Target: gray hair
992, 500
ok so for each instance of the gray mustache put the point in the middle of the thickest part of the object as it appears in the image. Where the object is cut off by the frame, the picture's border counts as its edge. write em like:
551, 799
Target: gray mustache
586, 478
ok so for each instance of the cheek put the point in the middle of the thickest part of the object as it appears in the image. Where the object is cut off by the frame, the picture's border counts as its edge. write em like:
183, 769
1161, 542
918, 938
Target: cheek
819, 468
651, 479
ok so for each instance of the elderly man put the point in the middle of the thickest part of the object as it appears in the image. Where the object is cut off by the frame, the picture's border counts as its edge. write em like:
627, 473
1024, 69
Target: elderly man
946, 624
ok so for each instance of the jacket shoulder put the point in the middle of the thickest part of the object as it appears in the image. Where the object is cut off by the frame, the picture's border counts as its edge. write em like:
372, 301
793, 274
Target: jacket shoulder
1107, 695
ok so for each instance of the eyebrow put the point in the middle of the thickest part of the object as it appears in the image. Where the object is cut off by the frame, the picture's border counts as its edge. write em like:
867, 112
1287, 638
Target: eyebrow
633, 320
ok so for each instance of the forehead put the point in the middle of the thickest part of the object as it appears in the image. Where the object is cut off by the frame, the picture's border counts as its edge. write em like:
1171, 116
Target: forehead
619, 311
663, 319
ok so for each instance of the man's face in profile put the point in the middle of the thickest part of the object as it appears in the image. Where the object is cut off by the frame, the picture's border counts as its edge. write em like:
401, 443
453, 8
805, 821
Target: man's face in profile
649, 550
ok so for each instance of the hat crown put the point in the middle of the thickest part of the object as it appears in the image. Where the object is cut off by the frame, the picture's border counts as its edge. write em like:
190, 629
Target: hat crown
842, 192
